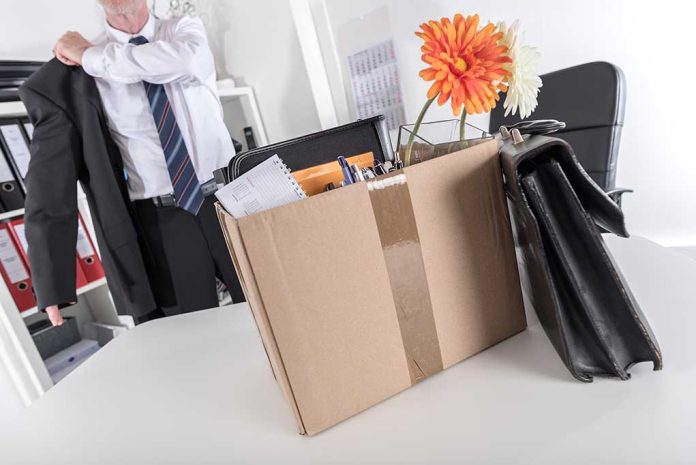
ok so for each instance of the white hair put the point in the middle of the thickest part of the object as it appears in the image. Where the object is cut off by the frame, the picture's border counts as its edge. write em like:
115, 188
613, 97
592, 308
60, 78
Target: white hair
121, 7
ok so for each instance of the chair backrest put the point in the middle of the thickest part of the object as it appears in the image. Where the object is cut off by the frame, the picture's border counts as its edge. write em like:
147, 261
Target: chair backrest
590, 99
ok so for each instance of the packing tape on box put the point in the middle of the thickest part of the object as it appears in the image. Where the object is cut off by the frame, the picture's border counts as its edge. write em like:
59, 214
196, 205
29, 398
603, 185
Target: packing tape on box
398, 233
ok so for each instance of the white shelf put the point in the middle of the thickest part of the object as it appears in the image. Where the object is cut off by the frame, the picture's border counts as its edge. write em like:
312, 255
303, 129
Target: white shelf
12, 109
86, 288
226, 90
229, 92
11, 214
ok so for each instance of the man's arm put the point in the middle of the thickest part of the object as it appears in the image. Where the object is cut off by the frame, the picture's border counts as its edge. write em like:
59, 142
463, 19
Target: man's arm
51, 204
186, 56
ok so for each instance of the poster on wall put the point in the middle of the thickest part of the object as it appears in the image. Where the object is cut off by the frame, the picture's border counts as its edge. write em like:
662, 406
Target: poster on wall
375, 83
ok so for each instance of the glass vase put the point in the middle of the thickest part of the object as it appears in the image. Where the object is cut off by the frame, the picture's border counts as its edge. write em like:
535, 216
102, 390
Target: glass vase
435, 139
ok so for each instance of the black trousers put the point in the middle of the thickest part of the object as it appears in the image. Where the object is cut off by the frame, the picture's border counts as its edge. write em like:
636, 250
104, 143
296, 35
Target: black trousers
183, 255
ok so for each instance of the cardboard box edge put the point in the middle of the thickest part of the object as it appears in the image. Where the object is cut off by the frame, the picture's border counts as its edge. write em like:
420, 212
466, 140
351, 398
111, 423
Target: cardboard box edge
258, 311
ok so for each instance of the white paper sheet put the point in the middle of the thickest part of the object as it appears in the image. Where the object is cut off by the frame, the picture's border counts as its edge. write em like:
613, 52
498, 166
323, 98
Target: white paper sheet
265, 186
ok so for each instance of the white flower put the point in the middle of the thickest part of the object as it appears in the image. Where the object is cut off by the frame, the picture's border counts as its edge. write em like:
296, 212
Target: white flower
524, 82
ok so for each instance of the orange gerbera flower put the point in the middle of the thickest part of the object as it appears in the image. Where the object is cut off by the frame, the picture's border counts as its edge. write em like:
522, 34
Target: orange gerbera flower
466, 63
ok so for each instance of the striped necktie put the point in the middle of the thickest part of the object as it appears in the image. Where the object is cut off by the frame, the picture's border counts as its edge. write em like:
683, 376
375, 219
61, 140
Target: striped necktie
187, 188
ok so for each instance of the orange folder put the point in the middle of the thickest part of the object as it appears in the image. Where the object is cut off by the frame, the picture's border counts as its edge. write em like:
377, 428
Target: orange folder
313, 180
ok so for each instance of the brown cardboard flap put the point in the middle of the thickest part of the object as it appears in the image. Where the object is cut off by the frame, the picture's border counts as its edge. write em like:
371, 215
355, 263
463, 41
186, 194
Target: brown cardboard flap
247, 280
320, 268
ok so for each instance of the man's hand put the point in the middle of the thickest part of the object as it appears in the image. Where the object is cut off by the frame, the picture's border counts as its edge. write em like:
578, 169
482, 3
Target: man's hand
70, 48
54, 315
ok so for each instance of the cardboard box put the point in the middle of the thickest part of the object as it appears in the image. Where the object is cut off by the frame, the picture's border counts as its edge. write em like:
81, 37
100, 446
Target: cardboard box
361, 292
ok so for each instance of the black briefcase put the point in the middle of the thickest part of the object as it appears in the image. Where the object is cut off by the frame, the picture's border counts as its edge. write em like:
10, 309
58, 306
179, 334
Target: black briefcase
362, 136
578, 293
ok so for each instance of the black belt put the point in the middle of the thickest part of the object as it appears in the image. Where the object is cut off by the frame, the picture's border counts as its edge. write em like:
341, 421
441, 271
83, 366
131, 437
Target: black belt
169, 200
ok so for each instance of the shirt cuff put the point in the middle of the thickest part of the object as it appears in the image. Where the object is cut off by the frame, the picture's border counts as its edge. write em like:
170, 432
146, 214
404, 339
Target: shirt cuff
93, 61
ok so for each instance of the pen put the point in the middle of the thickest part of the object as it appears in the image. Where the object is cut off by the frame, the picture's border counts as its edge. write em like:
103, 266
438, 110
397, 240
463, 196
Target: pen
357, 174
368, 173
379, 168
347, 173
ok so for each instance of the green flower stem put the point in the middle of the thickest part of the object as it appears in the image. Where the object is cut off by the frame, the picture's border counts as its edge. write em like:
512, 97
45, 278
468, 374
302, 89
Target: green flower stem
462, 125
416, 127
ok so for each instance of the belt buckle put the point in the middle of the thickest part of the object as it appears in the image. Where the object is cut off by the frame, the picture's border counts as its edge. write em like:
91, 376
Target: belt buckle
168, 200
209, 187
163, 201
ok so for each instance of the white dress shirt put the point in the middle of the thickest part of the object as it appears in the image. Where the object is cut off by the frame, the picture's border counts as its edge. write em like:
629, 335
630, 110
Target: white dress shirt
178, 56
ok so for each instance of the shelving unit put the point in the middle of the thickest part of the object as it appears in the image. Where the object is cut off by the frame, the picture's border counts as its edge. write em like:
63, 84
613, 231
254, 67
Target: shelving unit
80, 290
241, 109
17, 349
12, 214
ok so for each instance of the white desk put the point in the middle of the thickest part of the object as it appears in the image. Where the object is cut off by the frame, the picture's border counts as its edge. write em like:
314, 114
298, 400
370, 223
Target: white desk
197, 389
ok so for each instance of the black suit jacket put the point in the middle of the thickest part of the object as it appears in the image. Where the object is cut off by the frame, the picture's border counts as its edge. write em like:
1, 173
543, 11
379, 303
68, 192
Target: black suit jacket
71, 143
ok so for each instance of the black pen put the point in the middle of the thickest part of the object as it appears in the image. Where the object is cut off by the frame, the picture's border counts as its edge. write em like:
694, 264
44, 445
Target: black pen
347, 172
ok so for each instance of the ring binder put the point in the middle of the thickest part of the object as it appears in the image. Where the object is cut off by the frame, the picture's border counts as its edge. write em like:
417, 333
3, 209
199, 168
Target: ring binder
14, 144
265, 186
14, 271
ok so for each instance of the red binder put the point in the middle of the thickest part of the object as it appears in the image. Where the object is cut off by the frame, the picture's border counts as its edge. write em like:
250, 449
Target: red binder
87, 255
16, 228
14, 271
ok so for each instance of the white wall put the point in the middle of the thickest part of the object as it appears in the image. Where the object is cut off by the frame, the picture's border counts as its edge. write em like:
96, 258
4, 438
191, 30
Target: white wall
649, 40
255, 43
29, 28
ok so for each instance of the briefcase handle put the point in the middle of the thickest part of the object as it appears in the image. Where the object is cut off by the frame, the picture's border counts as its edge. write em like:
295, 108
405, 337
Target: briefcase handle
533, 126
514, 132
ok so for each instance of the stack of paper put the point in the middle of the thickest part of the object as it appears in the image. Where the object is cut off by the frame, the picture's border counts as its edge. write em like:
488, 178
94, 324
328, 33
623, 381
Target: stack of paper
265, 186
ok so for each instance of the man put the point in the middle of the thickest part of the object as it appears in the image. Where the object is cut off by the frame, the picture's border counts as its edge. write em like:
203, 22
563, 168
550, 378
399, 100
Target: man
135, 117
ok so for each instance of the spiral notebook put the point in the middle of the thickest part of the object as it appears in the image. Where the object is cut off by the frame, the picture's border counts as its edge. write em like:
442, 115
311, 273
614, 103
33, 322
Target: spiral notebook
265, 186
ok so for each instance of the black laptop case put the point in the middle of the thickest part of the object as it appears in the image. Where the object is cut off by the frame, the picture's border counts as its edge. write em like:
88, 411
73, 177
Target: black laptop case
367, 135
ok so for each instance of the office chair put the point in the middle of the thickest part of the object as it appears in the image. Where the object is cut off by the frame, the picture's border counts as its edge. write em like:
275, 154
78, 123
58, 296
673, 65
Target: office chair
590, 99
